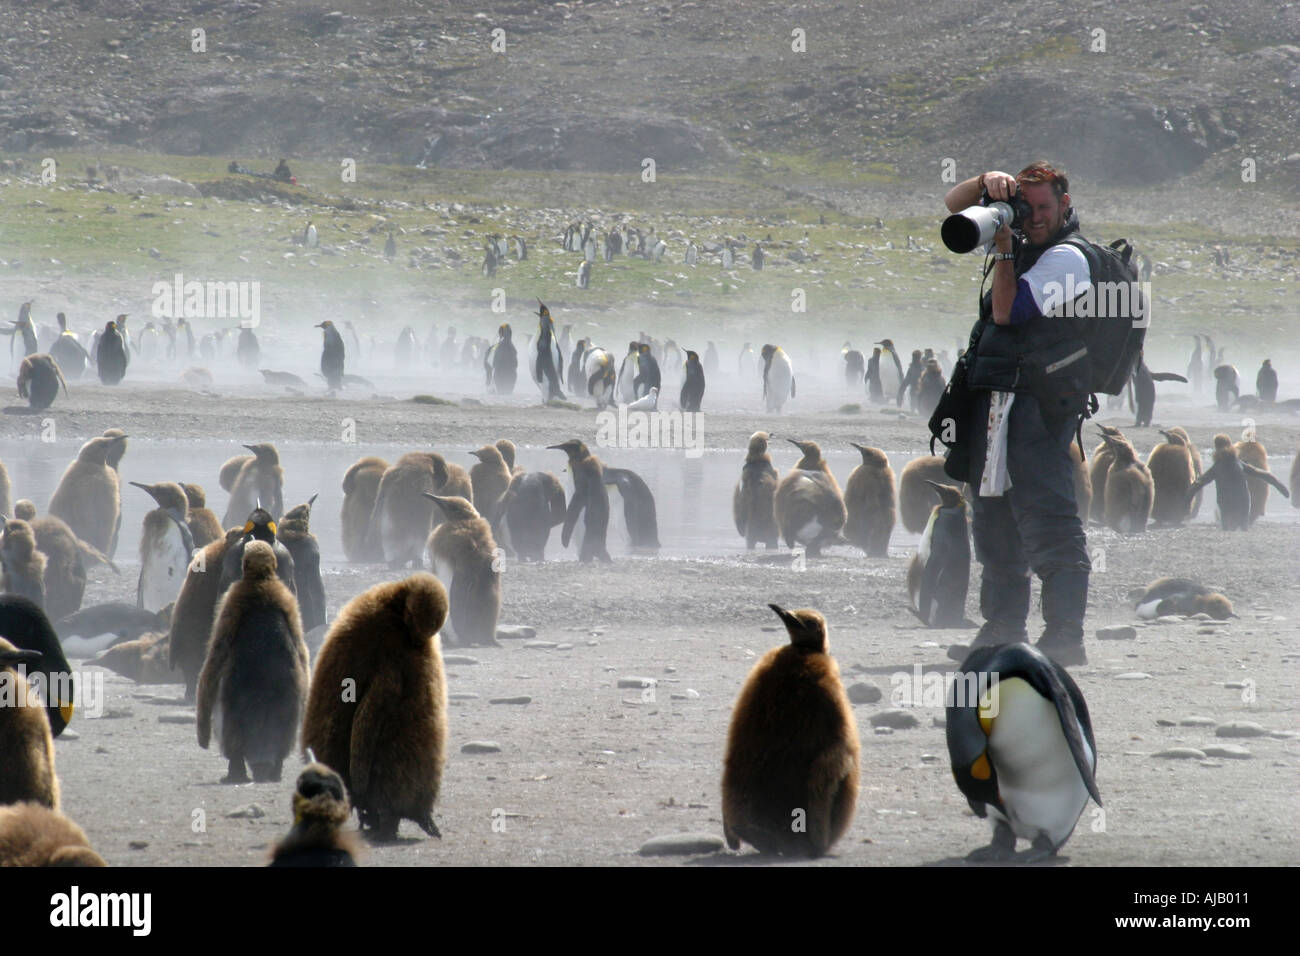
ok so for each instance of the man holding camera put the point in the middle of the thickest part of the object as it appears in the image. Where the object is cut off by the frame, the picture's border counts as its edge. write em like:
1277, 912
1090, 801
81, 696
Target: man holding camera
1027, 376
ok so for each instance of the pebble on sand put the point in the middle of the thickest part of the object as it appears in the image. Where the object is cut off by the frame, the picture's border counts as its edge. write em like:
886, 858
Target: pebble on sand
1197, 722
463, 695
637, 683
863, 692
1133, 675
511, 700
682, 844
1240, 728
481, 747
181, 717
1180, 753
541, 645
250, 812
458, 659
1228, 750
1117, 632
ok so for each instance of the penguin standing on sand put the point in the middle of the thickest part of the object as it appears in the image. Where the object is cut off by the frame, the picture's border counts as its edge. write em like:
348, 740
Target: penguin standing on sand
625, 388
891, 370
294, 532
532, 505
1103, 456
360, 488
639, 519
575, 366
464, 556
792, 748
1225, 385
710, 359
388, 741
68, 352
165, 546
854, 367
1266, 382
320, 808
911, 381
1251, 451
930, 389
255, 673
489, 478
1022, 749
406, 349
260, 526
195, 610
588, 512
1170, 465
915, 497
23, 326
598, 372
65, 560
247, 349
647, 371
1144, 390
938, 577
1230, 487
1129, 491
505, 362
869, 503
260, 483
1196, 366
110, 355
88, 497
778, 377
22, 565
332, 355
692, 396
875, 390
39, 379
204, 526
753, 502
747, 363
809, 506
545, 362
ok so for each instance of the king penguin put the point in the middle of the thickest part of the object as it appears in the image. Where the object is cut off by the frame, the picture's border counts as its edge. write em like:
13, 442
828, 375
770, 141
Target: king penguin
588, 512
39, 379
360, 488
891, 370
809, 506
464, 556
625, 388
753, 502
1170, 465
533, 505
1022, 749
1129, 491
938, 577
869, 503
165, 546
260, 483
68, 352
545, 363
778, 377
294, 532
88, 497
692, 396
22, 565
110, 355
332, 356
28, 628
638, 518
1232, 492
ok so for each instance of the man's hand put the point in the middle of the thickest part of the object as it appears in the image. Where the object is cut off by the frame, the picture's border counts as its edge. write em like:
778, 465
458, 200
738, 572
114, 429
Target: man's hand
1000, 186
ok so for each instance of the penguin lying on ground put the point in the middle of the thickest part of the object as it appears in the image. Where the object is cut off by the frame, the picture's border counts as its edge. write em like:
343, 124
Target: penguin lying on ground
1179, 596
1022, 749
94, 628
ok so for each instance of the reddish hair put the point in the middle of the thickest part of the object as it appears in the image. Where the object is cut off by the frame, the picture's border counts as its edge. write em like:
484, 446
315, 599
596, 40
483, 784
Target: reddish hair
1044, 172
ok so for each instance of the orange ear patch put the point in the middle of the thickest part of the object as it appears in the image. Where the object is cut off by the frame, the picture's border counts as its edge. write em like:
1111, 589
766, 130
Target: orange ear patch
980, 769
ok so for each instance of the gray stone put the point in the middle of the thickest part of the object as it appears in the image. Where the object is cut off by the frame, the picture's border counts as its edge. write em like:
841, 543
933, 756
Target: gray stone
463, 695
506, 632
1197, 722
639, 683
896, 719
458, 659
1117, 632
1240, 728
1231, 751
541, 645
1133, 675
481, 747
862, 692
682, 844
884, 731
250, 812
521, 699
177, 717
1180, 753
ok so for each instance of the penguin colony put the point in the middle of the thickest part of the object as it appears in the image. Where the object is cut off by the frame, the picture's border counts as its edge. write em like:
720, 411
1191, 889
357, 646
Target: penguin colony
800, 801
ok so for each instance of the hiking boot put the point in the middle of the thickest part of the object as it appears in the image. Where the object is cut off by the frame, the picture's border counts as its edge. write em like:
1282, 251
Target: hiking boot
1064, 652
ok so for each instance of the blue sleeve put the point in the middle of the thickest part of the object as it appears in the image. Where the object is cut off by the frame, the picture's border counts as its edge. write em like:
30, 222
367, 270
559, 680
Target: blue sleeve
1023, 307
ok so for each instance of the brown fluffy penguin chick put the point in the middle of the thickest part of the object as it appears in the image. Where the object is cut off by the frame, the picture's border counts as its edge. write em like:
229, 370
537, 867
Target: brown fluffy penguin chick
6, 492
1128, 489
377, 714
260, 480
320, 809
869, 503
230, 471
1170, 465
196, 609
809, 506
360, 488
1195, 454
65, 561
507, 449
1252, 452
790, 783
753, 504
402, 516
204, 526
143, 660
34, 835
489, 479
117, 450
1103, 456
23, 563
1082, 483
88, 498
464, 556
255, 672
26, 745
915, 496
39, 379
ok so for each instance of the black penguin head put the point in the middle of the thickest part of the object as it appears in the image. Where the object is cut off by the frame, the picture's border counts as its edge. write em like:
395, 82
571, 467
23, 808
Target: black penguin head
454, 507
767, 352
807, 628
326, 325
260, 525
504, 333
949, 497
886, 344
692, 357
543, 313
575, 449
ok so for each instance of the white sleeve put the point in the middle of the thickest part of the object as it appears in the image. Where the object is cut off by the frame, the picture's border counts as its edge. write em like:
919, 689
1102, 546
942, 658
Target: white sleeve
1060, 274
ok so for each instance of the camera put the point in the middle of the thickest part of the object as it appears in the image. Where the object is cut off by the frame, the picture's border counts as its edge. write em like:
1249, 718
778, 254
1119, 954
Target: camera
975, 226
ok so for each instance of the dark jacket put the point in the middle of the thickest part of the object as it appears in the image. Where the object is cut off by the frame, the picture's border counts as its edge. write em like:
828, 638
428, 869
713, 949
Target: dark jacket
1045, 356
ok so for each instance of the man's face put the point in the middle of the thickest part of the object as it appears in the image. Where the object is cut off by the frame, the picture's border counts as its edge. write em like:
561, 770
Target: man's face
1047, 212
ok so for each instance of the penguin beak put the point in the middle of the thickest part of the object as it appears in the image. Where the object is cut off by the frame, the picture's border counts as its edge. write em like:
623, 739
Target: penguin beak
312, 500
786, 617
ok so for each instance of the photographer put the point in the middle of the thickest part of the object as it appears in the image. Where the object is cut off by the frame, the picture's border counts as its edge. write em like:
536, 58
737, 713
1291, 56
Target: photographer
1027, 376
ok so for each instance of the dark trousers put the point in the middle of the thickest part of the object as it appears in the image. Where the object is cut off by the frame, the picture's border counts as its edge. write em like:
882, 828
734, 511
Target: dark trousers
1033, 525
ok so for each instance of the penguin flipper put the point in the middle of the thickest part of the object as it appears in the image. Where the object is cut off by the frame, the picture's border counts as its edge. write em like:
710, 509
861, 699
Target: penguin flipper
1073, 713
1266, 476
1167, 377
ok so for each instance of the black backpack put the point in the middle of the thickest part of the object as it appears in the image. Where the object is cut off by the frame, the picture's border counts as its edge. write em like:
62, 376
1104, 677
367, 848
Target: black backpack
1114, 325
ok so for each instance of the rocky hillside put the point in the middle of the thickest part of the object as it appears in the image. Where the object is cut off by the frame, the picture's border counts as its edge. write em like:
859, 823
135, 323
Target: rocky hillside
881, 92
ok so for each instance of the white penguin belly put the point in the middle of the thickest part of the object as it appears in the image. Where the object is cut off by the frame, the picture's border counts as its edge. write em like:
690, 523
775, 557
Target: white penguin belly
163, 572
1038, 781
444, 572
